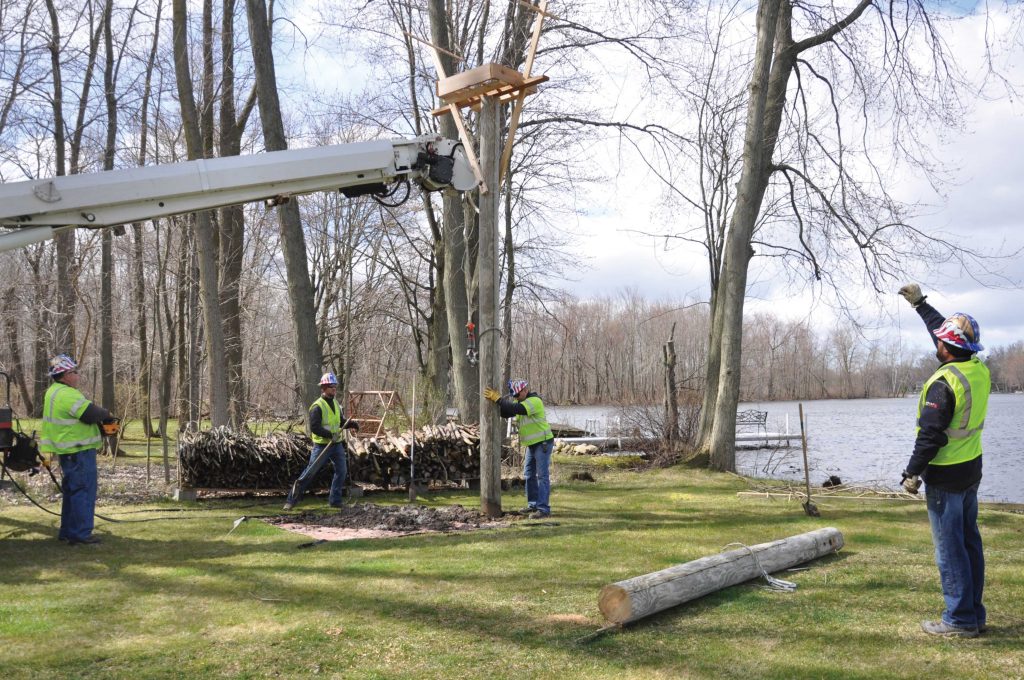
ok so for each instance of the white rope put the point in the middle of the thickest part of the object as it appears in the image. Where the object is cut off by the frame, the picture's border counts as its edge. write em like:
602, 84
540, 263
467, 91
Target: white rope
773, 583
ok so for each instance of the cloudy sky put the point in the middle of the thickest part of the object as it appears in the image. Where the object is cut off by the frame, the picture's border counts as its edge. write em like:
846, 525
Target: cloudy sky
980, 205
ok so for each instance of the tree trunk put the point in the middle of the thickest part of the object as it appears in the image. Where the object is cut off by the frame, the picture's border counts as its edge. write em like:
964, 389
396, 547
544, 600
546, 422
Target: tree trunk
439, 343
671, 398
232, 223
107, 397
764, 115
138, 273
308, 353
491, 433
205, 238
66, 296
457, 262
10, 331
712, 367
165, 331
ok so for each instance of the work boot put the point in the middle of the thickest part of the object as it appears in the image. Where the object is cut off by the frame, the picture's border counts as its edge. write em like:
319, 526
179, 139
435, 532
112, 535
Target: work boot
540, 514
88, 540
947, 630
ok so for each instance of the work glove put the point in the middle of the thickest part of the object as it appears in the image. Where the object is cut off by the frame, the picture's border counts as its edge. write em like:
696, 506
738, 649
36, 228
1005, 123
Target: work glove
492, 394
912, 293
911, 482
110, 427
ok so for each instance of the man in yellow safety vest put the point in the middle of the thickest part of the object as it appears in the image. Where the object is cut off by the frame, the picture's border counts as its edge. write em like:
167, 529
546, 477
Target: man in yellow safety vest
947, 456
326, 422
535, 434
71, 432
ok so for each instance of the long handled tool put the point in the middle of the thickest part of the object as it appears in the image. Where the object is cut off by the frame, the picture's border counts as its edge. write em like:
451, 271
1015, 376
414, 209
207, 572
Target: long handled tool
809, 507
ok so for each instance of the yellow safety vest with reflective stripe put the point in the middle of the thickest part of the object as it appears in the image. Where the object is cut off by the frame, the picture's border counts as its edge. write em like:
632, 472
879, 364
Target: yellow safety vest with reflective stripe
330, 419
533, 427
63, 432
971, 385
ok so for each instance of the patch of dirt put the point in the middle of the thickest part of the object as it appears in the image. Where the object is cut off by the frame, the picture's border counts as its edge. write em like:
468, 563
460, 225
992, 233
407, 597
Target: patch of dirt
127, 484
369, 520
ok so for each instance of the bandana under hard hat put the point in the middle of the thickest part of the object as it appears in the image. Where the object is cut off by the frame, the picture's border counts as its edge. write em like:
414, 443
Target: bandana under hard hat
516, 386
960, 330
62, 363
328, 379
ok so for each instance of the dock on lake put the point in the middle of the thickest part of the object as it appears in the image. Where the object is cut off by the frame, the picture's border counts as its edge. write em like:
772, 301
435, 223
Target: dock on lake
751, 432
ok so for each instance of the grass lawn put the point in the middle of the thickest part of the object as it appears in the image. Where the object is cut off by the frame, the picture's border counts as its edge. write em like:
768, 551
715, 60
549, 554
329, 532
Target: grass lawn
182, 598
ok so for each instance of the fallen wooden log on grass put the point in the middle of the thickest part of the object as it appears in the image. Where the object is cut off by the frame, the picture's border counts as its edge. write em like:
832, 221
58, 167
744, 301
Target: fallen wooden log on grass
635, 598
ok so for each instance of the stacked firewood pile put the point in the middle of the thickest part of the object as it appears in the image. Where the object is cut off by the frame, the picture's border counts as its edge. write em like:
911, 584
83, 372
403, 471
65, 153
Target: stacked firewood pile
442, 453
224, 459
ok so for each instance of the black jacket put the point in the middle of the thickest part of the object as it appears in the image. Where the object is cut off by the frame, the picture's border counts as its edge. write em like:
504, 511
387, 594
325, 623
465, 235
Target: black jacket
936, 415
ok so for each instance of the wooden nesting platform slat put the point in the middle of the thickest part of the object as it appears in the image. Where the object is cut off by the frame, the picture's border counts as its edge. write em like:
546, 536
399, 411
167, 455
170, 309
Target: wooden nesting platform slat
490, 80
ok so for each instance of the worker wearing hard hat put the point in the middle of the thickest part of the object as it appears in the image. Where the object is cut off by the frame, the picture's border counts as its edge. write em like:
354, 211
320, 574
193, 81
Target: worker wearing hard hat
326, 425
535, 434
71, 432
947, 456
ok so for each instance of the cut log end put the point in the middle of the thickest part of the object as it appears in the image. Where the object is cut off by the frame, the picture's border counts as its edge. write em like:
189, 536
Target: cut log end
614, 603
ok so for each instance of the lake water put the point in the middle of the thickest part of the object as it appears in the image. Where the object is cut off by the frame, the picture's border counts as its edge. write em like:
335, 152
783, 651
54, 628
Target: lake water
862, 441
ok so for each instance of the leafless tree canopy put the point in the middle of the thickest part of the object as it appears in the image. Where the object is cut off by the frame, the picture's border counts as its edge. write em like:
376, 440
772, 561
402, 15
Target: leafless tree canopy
779, 131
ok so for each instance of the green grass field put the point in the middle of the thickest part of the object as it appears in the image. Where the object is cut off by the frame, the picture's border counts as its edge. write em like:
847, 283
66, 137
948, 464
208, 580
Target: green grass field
180, 597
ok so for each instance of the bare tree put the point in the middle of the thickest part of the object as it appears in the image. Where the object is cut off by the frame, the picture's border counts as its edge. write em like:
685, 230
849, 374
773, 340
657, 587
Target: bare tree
308, 358
204, 228
231, 125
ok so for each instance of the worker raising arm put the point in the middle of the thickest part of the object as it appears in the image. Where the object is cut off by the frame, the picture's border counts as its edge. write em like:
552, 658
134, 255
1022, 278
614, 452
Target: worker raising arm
947, 456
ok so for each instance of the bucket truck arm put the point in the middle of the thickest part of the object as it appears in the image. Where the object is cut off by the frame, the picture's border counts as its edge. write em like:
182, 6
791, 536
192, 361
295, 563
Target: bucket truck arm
37, 210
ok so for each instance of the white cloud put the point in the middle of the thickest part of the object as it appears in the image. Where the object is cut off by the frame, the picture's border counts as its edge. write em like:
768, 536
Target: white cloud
980, 208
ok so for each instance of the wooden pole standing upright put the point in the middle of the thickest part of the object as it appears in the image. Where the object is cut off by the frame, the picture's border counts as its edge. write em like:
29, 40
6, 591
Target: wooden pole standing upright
490, 367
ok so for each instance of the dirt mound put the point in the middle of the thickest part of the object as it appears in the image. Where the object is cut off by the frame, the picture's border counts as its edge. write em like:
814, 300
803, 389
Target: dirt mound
369, 520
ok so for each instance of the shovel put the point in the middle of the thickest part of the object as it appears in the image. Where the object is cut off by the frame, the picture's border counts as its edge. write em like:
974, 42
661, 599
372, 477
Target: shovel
809, 507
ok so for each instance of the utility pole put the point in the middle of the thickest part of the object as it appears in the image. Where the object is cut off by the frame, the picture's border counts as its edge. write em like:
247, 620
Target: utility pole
487, 261
486, 85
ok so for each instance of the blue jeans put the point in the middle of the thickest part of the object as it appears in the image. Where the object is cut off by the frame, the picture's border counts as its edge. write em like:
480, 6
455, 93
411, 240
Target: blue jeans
958, 554
338, 456
78, 490
536, 471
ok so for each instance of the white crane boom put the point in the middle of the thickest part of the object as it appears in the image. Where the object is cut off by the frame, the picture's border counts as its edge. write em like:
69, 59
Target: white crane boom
36, 210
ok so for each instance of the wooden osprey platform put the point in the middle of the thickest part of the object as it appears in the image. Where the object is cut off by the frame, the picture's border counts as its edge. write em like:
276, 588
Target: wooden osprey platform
489, 80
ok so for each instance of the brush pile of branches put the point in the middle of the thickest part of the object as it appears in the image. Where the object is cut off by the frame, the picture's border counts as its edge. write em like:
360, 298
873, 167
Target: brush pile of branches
222, 458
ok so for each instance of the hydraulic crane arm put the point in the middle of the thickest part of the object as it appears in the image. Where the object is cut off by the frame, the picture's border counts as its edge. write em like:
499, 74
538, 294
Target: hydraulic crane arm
36, 210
